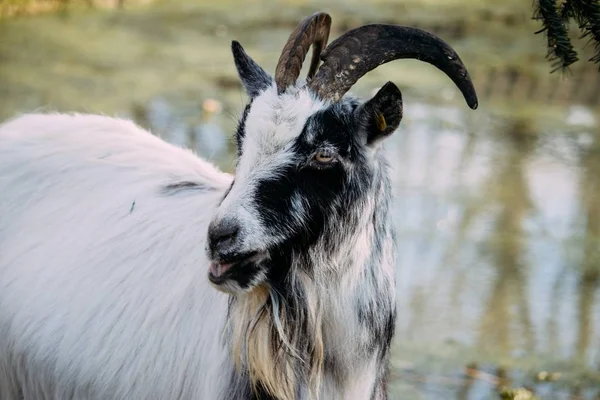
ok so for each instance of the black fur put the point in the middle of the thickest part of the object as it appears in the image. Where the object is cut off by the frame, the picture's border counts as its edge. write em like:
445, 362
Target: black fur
241, 128
328, 191
253, 77
384, 108
185, 186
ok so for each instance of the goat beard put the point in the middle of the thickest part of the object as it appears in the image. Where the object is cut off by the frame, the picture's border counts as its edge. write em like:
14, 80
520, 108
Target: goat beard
278, 340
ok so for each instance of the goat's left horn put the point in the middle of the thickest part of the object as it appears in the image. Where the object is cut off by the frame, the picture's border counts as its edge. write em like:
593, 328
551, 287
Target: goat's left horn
313, 30
363, 49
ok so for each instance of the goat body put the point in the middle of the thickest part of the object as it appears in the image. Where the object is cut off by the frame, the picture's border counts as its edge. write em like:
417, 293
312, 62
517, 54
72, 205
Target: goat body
103, 288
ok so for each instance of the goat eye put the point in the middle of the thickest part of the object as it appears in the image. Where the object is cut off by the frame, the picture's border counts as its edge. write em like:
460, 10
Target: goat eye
324, 157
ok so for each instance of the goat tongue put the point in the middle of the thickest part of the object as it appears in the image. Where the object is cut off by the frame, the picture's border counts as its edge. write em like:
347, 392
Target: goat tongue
218, 269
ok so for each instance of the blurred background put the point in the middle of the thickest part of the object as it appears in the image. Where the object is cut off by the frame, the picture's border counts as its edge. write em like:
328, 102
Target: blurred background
498, 209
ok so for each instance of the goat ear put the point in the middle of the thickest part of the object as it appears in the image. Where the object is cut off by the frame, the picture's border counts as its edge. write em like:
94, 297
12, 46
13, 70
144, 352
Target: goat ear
381, 116
253, 77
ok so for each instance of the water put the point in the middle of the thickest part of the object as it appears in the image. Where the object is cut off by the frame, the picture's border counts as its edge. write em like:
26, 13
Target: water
499, 255
498, 210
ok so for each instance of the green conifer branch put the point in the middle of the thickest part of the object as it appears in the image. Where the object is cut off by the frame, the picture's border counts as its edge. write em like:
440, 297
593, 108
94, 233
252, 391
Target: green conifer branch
560, 50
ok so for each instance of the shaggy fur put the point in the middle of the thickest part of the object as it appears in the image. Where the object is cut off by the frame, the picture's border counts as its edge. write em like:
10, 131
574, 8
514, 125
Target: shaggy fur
103, 269
331, 277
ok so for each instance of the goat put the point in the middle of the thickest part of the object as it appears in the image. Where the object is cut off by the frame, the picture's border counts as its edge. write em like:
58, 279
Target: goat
112, 241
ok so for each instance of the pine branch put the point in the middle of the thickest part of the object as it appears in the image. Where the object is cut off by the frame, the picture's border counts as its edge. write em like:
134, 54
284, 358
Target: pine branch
560, 49
587, 15
567, 11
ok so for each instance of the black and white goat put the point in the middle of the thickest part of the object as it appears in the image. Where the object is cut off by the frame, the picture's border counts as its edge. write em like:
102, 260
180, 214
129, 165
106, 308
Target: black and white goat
104, 292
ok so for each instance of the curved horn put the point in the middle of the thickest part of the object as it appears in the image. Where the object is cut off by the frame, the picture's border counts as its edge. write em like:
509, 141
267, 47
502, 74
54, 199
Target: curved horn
313, 30
363, 49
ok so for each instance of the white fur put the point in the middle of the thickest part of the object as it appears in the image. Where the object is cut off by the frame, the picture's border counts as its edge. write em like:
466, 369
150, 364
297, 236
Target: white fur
118, 305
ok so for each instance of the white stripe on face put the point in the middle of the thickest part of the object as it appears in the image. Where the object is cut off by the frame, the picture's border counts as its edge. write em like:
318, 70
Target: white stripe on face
273, 123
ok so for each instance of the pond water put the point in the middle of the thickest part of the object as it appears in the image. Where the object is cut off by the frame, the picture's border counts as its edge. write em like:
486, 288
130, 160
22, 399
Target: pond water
497, 210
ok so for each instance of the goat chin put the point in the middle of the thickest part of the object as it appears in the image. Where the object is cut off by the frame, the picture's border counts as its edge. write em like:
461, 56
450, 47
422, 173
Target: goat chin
103, 279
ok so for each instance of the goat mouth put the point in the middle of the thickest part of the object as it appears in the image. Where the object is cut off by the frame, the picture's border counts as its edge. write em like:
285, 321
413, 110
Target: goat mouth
220, 271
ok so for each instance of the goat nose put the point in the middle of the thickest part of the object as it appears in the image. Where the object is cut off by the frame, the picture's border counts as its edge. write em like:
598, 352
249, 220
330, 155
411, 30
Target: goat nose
222, 235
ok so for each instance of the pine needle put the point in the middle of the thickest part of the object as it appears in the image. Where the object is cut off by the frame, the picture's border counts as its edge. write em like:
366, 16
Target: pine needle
560, 50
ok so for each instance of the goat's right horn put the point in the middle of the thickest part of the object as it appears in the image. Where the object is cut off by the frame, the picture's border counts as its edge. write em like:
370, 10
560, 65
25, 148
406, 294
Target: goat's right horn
363, 49
313, 30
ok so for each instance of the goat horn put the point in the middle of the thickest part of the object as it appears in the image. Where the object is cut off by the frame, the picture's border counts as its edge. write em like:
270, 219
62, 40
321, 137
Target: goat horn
313, 30
363, 49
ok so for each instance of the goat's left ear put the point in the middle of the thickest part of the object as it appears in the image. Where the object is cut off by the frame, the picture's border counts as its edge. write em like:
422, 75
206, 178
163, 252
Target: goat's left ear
253, 77
381, 115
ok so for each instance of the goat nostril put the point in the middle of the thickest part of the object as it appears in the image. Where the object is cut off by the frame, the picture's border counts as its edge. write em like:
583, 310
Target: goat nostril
225, 232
